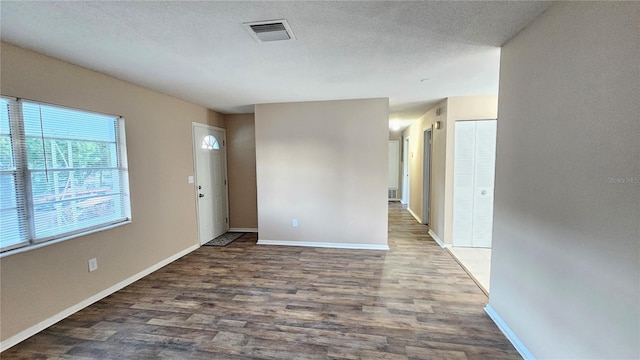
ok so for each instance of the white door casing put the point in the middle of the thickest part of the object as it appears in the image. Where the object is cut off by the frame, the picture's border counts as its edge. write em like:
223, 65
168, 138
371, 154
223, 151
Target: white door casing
209, 147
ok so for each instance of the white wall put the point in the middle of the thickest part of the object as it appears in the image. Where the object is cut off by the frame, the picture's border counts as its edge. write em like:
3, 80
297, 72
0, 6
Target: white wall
565, 271
325, 164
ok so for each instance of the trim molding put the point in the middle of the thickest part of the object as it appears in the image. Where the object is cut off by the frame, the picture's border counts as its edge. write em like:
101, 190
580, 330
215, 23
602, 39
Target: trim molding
414, 215
26, 333
438, 240
324, 244
511, 336
247, 230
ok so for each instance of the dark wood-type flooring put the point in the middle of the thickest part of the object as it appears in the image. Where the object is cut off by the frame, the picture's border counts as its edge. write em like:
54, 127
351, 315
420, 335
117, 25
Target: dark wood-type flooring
246, 301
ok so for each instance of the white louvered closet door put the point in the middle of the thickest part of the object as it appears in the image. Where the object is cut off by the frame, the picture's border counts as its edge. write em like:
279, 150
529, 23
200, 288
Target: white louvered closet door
464, 167
474, 168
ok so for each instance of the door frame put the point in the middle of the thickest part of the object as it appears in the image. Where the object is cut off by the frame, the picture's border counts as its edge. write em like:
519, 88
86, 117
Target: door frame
194, 149
426, 175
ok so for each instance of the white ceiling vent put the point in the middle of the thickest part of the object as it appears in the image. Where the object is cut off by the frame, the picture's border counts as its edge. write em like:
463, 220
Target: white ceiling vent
271, 30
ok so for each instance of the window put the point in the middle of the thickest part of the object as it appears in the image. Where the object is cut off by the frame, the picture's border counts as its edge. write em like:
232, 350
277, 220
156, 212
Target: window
210, 143
62, 173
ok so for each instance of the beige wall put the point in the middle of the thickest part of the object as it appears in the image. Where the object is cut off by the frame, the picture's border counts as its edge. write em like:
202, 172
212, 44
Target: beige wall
241, 164
325, 164
39, 283
395, 135
565, 271
214, 118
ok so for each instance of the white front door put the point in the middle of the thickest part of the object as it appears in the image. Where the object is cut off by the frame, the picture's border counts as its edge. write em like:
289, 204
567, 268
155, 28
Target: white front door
211, 181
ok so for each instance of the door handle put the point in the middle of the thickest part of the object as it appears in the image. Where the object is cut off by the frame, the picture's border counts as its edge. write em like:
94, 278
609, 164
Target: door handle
200, 195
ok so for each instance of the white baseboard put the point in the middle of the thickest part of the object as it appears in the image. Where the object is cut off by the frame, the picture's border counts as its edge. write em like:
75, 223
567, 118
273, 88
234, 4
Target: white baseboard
437, 239
511, 336
24, 334
414, 215
246, 230
324, 244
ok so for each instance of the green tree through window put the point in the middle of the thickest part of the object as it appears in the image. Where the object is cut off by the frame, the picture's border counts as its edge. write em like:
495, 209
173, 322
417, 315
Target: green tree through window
75, 179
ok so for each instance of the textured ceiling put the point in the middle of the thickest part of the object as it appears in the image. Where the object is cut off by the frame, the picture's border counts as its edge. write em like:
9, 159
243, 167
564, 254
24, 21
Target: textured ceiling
201, 52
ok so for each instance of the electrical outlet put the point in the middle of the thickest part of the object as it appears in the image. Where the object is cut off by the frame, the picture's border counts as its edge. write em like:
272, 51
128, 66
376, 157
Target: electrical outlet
294, 222
93, 264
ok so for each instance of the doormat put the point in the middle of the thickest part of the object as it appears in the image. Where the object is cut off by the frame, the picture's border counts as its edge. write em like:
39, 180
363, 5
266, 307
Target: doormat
224, 239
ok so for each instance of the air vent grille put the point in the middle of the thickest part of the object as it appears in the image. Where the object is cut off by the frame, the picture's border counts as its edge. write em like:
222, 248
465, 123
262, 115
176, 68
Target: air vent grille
393, 194
272, 30
268, 28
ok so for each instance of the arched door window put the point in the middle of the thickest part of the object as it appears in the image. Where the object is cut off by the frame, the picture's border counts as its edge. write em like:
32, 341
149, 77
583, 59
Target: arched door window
210, 143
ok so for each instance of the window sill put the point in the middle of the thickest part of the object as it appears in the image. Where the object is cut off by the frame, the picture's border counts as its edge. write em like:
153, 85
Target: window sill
59, 240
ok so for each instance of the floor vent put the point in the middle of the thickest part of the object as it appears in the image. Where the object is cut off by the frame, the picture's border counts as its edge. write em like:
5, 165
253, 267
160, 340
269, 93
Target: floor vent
271, 30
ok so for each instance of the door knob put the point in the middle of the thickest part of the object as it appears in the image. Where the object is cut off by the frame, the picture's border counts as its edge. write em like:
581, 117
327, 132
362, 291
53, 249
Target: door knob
200, 195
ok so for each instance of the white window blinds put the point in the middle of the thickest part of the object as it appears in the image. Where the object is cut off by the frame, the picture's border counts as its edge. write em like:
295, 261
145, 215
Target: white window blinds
63, 172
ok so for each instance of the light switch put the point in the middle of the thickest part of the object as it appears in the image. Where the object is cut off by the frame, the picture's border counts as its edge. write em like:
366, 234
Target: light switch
190, 179
93, 264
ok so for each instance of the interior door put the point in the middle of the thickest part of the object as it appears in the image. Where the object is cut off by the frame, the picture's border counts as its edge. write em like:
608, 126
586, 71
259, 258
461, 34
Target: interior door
405, 171
211, 181
473, 182
484, 178
426, 178
463, 172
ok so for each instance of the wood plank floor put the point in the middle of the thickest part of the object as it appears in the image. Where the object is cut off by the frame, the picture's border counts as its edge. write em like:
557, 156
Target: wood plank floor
273, 302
